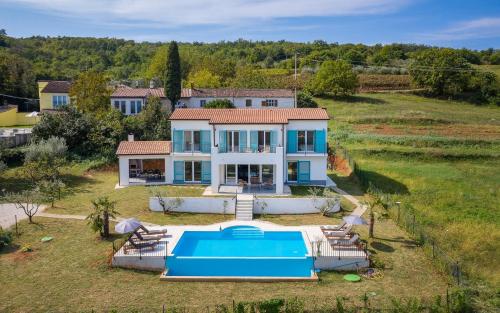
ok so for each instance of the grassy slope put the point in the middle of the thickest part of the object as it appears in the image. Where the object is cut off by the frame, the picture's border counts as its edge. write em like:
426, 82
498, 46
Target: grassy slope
70, 274
454, 187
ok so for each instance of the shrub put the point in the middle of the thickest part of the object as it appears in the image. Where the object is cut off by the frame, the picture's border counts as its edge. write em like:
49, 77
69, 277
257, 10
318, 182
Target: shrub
5, 238
219, 104
334, 77
305, 100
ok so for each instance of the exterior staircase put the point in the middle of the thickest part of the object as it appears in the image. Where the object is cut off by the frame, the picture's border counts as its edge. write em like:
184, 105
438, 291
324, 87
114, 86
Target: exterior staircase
244, 207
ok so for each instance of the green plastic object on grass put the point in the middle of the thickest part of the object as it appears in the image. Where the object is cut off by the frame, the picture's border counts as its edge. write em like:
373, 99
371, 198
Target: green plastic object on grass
47, 239
352, 277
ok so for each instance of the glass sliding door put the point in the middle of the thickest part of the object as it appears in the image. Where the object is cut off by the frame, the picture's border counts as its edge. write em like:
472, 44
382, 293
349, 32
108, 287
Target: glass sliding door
188, 171
292, 171
192, 171
243, 173
254, 174
231, 174
267, 174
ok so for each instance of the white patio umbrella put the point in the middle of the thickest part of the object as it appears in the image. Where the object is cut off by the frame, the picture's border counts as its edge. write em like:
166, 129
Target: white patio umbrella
128, 225
354, 220
32, 114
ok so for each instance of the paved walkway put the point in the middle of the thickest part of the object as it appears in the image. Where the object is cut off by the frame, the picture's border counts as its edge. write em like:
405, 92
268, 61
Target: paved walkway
8, 213
360, 208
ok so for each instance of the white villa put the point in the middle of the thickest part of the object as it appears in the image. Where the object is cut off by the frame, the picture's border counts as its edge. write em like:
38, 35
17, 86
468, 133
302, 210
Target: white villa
265, 148
131, 100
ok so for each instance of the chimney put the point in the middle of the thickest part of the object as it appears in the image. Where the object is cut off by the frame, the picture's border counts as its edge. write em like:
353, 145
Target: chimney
130, 137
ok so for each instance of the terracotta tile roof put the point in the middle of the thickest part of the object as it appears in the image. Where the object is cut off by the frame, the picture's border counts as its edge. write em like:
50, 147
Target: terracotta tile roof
144, 147
241, 93
250, 116
129, 92
57, 86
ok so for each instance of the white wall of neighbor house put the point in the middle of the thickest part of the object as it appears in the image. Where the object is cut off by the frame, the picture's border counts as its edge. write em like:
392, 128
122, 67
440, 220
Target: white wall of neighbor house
241, 102
197, 204
128, 104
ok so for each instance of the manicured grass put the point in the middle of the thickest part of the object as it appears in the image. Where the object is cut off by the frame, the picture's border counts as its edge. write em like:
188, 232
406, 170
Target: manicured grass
70, 274
409, 147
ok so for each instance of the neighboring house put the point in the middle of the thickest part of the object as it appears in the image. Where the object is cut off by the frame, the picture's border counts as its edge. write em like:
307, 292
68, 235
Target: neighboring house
53, 94
130, 101
267, 148
241, 98
10, 117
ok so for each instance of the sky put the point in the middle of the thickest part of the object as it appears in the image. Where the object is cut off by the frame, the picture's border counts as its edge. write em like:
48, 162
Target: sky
473, 24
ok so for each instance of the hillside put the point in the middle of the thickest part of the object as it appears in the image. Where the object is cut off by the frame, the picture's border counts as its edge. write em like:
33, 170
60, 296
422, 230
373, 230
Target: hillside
440, 157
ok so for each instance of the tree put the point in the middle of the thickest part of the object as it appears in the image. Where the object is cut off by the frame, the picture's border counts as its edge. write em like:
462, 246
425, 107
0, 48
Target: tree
485, 86
29, 200
246, 77
334, 77
17, 77
51, 190
204, 79
90, 93
325, 200
173, 78
154, 121
305, 100
443, 72
43, 159
103, 210
106, 133
5, 238
219, 104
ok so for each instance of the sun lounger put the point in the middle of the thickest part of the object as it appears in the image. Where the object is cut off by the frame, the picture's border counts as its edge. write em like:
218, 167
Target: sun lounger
345, 241
147, 237
338, 233
131, 245
333, 227
152, 232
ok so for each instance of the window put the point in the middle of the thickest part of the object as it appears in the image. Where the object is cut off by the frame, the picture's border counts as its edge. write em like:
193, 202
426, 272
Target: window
305, 140
192, 171
139, 106
117, 104
254, 174
233, 141
270, 103
202, 103
123, 107
292, 171
264, 141
58, 101
192, 141
248, 102
132, 107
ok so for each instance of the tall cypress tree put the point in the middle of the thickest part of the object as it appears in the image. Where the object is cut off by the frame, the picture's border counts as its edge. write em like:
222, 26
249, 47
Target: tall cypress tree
173, 75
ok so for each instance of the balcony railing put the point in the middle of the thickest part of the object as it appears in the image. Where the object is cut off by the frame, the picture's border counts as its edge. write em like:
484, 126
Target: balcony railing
195, 148
259, 149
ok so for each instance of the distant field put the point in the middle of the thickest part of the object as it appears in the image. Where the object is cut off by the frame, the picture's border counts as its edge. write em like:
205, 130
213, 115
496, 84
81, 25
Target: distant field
443, 157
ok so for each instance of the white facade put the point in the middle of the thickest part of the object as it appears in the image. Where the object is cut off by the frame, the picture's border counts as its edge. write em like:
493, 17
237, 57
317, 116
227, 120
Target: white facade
243, 102
133, 106
253, 155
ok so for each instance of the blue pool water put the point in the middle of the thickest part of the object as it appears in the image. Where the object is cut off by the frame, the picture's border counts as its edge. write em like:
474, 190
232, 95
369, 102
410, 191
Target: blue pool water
240, 251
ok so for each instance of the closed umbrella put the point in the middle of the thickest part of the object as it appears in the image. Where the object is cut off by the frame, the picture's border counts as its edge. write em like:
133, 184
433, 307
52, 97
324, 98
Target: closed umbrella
354, 220
128, 225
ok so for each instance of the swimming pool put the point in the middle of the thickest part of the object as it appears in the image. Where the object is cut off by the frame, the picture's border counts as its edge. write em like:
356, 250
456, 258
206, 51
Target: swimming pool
240, 251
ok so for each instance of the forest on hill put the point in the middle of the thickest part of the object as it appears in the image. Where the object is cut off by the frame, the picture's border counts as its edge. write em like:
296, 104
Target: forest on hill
240, 63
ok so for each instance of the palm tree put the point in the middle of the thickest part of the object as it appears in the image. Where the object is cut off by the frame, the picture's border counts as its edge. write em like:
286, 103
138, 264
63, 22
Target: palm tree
103, 210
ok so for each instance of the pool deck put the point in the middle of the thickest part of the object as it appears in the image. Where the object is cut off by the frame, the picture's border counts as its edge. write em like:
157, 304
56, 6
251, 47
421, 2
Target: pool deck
326, 257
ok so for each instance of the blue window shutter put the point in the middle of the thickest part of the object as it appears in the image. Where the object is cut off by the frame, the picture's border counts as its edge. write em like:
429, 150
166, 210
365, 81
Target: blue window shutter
178, 140
291, 141
206, 171
205, 141
304, 169
178, 171
274, 140
319, 141
243, 140
222, 141
254, 140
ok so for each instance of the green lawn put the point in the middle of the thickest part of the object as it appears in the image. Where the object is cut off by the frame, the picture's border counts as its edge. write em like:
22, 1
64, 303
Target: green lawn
71, 274
442, 157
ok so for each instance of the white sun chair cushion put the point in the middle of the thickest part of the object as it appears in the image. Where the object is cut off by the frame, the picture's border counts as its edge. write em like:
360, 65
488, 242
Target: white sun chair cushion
346, 242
